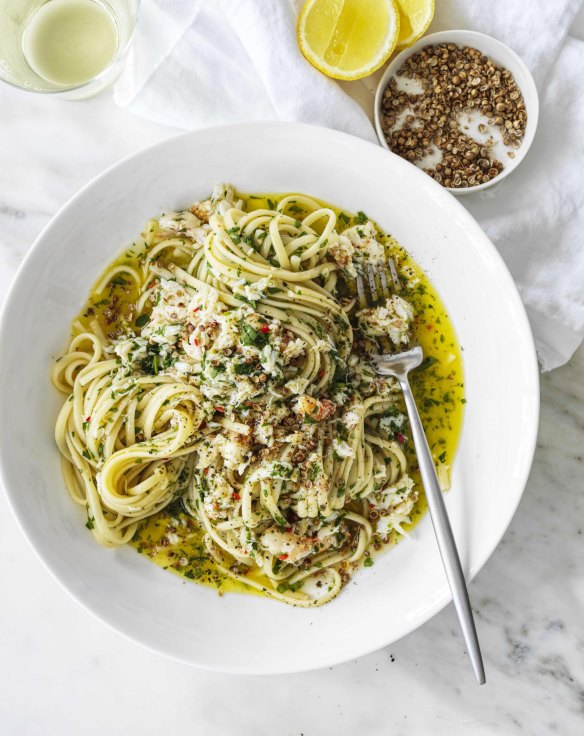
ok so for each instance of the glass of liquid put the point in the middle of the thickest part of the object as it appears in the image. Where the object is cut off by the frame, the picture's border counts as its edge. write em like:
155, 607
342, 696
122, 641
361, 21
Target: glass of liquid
70, 48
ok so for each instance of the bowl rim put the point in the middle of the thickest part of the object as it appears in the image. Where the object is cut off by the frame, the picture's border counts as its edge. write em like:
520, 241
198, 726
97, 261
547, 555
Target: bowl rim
513, 62
442, 600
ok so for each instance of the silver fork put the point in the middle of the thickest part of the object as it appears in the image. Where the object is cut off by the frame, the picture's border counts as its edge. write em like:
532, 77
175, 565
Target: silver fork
398, 366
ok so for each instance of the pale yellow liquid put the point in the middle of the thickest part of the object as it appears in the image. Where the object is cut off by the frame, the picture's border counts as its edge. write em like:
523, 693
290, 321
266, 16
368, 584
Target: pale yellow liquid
69, 42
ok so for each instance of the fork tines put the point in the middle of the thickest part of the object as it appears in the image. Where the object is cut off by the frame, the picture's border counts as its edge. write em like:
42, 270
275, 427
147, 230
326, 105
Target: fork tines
377, 283
394, 276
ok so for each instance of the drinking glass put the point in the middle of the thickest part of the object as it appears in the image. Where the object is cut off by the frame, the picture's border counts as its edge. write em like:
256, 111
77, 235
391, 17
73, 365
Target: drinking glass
20, 17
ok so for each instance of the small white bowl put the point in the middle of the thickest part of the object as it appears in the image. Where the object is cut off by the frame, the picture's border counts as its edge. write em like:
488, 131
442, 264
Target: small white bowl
501, 55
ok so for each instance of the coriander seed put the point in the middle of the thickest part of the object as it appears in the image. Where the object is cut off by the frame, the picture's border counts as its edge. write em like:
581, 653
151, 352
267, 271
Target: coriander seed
453, 84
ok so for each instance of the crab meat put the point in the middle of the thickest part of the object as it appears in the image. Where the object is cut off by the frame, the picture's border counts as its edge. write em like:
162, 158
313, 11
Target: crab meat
220, 499
341, 249
184, 222
392, 318
317, 409
291, 548
367, 249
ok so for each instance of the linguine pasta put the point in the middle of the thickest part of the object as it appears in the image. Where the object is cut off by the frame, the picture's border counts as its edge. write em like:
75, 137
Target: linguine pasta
238, 381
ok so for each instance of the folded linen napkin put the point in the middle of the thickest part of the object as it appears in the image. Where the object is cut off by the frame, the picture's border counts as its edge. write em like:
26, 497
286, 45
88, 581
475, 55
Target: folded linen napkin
535, 217
201, 63
229, 61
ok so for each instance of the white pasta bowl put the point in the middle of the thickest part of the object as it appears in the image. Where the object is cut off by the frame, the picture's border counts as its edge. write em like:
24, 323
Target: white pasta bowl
406, 586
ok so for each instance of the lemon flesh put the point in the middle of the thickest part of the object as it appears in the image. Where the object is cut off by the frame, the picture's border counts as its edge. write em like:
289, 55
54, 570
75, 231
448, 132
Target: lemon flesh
348, 39
414, 18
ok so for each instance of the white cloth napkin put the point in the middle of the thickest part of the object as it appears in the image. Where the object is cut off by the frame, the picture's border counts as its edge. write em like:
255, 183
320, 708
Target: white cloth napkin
198, 63
535, 217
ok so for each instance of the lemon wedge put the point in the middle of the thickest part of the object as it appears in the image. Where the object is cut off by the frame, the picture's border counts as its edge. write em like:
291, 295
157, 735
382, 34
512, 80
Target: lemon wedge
414, 18
348, 39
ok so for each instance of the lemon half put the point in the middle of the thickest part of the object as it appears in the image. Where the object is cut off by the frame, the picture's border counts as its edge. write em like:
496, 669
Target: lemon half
348, 39
414, 18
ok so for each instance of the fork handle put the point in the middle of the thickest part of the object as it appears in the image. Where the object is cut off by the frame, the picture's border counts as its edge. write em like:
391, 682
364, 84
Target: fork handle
443, 531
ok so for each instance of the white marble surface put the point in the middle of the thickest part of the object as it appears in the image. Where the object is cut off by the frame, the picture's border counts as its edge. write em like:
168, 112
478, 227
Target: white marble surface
63, 672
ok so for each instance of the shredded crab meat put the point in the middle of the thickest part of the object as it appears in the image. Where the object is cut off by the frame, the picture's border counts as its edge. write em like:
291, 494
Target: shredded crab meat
292, 548
392, 319
185, 223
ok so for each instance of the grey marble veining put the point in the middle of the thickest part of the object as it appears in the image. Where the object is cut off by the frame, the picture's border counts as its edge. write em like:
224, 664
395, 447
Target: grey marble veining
62, 671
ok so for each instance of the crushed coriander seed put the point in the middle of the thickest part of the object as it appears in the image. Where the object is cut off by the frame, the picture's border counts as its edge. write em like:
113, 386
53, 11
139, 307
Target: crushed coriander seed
427, 106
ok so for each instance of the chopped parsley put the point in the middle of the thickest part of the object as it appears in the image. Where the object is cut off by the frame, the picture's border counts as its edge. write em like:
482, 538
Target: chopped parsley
235, 234
314, 472
283, 587
250, 336
245, 300
243, 369
90, 523
215, 370
428, 361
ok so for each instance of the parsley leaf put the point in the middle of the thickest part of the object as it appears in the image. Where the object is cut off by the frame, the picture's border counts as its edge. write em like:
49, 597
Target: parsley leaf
428, 361
314, 472
245, 300
242, 369
215, 370
90, 523
249, 336
235, 234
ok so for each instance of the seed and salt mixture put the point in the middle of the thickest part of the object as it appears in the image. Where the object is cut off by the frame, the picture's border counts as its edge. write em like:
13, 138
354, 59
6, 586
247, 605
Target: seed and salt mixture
431, 105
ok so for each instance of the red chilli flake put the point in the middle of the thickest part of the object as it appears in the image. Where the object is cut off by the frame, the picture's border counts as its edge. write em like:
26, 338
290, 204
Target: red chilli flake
282, 557
206, 471
236, 496
87, 419
220, 408
265, 329
400, 438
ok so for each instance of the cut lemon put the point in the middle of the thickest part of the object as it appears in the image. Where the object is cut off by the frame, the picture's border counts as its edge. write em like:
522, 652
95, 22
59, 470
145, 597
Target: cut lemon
348, 39
414, 18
